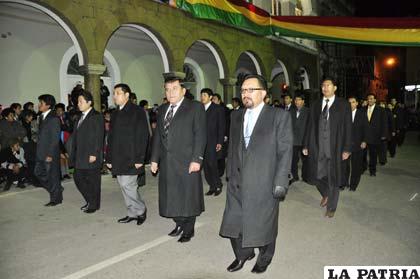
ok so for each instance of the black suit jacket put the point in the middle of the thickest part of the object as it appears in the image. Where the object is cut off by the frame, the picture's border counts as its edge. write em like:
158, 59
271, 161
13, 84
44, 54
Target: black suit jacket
48, 143
216, 125
299, 124
88, 140
127, 140
359, 130
377, 126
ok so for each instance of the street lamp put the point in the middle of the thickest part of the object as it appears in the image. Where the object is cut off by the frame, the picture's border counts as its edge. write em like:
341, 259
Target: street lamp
390, 62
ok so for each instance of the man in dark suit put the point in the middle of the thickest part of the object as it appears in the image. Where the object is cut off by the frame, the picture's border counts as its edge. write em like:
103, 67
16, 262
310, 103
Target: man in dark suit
288, 102
327, 144
178, 149
353, 168
127, 143
377, 131
259, 159
216, 123
299, 115
10, 166
47, 166
87, 152
221, 156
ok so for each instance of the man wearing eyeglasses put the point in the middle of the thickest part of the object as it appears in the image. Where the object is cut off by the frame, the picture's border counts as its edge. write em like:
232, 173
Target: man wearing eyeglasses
259, 161
178, 150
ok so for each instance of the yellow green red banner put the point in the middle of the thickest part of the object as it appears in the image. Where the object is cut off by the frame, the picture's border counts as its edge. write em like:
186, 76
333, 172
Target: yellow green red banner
376, 31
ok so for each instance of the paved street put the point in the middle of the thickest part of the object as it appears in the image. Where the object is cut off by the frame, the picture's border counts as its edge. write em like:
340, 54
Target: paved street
379, 224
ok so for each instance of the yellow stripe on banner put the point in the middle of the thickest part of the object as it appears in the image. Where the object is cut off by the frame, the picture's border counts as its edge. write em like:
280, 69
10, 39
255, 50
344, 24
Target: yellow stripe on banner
357, 34
231, 8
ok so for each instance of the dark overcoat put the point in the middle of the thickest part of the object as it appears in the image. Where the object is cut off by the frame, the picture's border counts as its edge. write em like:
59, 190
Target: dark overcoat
251, 209
340, 119
180, 193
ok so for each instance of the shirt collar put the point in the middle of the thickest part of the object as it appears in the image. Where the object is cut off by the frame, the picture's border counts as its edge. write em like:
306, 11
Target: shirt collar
331, 99
206, 106
256, 109
179, 103
87, 112
45, 113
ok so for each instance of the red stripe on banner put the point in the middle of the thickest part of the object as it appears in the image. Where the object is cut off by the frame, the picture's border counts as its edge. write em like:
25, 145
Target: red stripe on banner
250, 7
356, 22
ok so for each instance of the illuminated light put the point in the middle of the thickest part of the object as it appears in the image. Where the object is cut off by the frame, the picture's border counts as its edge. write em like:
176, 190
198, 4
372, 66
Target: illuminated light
390, 61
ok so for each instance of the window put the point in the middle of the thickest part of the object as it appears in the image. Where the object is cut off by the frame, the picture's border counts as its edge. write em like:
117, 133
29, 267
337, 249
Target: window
275, 8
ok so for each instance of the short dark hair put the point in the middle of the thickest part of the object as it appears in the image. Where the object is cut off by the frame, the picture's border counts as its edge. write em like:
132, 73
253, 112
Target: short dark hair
287, 95
133, 95
48, 99
236, 99
371, 94
330, 78
15, 106
61, 105
5, 113
87, 96
143, 103
27, 105
172, 78
217, 96
353, 97
300, 96
261, 81
124, 87
12, 141
27, 112
208, 91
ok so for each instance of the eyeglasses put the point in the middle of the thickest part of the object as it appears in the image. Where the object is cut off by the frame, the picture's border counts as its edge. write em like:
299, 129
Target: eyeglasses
249, 90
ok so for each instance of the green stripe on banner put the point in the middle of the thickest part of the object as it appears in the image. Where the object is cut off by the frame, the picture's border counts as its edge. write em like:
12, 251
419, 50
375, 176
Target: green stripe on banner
233, 19
277, 31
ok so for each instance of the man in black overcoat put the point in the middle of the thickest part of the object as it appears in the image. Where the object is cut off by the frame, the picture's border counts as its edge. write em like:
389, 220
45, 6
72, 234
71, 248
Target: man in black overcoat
178, 150
327, 144
259, 159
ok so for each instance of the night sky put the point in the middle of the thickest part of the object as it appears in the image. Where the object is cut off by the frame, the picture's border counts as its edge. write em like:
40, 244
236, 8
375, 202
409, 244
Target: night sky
387, 8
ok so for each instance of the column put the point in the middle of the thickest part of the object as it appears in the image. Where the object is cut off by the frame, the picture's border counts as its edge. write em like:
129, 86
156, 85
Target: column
229, 85
92, 73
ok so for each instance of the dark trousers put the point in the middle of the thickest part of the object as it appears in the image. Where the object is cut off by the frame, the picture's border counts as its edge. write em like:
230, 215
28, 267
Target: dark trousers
297, 155
353, 169
401, 137
373, 156
88, 182
12, 177
221, 165
328, 189
392, 146
49, 176
211, 171
382, 154
186, 223
242, 253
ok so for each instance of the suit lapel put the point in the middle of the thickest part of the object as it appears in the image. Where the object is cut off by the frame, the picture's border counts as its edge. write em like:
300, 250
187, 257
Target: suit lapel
258, 126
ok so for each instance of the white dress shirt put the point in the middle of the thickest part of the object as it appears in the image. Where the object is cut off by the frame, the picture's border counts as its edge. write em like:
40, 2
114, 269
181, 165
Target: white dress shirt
44, 114
206, 106
250, 119
177, 105
330, 102
353, 115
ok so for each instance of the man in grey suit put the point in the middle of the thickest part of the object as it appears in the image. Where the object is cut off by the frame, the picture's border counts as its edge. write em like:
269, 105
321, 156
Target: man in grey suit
127, 143
259, 159
299, 116
47, 166
178, 148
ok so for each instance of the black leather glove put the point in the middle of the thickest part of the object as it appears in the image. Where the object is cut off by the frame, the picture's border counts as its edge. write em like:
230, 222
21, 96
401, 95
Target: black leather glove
279, 192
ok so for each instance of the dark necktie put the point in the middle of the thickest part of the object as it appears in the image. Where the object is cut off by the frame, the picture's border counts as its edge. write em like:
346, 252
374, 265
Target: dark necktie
325, 110
168, 119
80, 121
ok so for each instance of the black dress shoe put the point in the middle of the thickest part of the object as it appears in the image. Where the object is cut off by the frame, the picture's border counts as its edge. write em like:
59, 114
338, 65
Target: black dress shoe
217, 192
238, 264
259, 269
175, 232
21, 185
186, 237
142, 218
210, 193
52, 203
89, 210
127, 219
372, 173
84, 207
